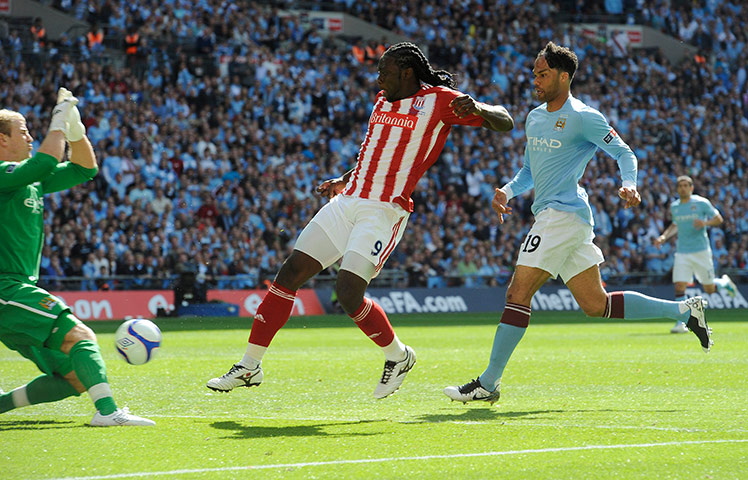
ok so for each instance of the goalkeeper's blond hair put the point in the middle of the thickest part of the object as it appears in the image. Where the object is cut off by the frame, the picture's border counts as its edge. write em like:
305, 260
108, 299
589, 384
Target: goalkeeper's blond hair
7, 117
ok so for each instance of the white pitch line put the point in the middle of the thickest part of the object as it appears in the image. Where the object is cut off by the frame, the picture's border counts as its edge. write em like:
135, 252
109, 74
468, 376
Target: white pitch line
221, 417
394, 459
606, 427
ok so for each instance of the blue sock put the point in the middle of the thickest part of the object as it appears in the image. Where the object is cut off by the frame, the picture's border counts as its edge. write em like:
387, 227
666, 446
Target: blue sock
641, 307
680, 298
504, 342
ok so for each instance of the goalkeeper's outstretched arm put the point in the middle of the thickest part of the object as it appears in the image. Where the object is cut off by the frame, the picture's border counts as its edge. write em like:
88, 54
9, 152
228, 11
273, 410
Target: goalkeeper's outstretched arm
53, 144
82, 153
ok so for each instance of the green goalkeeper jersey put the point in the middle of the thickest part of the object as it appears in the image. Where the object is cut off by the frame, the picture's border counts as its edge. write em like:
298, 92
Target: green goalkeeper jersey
22, 186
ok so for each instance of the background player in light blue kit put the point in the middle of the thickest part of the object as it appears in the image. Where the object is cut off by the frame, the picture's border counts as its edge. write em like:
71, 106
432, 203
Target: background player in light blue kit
691, 215
562, 136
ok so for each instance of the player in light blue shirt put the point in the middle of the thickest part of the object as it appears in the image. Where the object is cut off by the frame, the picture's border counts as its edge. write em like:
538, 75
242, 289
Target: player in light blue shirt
691, 215
560, 144
563, 134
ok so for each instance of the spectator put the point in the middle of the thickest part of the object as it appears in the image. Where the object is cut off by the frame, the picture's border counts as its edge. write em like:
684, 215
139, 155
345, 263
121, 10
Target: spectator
160, 203
101, 263
91, 273
83, 248
95, 40
141, 193
208, 212
38, 33
131, 46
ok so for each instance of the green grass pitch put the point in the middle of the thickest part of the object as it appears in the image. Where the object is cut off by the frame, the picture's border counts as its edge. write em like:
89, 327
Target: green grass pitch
581, 399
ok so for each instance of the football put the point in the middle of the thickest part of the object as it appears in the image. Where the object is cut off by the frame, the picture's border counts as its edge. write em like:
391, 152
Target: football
137, 340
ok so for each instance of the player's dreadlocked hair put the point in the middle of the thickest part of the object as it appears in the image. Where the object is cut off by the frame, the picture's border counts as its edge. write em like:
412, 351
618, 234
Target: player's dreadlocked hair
408, 55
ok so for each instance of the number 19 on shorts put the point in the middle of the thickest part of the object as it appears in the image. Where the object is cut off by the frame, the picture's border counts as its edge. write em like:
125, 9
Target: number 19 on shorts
531, 243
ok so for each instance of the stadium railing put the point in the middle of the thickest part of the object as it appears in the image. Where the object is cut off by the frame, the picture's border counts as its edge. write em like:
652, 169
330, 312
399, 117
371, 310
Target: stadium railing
386, 279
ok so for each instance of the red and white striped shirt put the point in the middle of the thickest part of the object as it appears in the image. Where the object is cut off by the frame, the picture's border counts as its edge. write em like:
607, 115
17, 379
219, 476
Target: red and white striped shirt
403, 140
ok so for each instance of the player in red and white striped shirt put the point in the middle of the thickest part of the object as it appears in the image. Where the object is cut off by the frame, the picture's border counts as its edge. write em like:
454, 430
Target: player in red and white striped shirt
369, 208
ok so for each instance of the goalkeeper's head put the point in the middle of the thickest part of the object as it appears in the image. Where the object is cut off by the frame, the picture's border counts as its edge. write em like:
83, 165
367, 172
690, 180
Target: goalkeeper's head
15, 140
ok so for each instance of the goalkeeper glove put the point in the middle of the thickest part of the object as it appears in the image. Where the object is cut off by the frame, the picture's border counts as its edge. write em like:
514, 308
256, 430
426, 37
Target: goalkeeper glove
76, 129
65, 101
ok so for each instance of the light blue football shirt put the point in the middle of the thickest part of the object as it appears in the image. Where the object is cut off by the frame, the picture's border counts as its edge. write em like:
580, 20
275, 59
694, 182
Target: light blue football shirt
691, 239
559, 146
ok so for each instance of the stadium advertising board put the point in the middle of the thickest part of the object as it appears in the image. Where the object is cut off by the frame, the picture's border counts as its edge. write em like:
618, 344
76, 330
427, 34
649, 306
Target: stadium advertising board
634, 33
306, 302
559, 298
549, 298
325, 22
431, 300
116, 304
144, 303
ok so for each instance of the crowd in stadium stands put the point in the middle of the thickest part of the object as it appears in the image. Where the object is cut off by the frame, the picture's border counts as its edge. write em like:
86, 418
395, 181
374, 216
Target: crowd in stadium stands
228, 115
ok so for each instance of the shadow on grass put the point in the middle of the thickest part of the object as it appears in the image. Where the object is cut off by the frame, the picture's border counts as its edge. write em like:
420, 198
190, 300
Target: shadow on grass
487, 414
240, 431
479, 415
342, 321
37, 425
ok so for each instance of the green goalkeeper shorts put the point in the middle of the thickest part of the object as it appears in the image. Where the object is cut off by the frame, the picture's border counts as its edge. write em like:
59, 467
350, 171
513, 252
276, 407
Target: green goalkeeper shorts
27, 319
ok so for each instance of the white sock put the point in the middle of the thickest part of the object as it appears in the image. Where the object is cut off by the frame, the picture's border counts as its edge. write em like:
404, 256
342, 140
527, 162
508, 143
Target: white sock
20, 399
253, 356
720, 283
99, 391
395, 351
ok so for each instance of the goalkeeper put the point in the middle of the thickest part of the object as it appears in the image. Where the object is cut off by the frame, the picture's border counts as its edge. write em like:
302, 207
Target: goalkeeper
34, 322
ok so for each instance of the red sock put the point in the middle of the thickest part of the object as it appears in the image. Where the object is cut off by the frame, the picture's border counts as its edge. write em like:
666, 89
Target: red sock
372, 320
516, 314
271, 315
614, 306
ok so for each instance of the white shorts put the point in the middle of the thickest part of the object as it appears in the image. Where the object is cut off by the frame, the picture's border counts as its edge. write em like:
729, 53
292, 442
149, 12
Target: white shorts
561, 244
368, 228
698, 264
